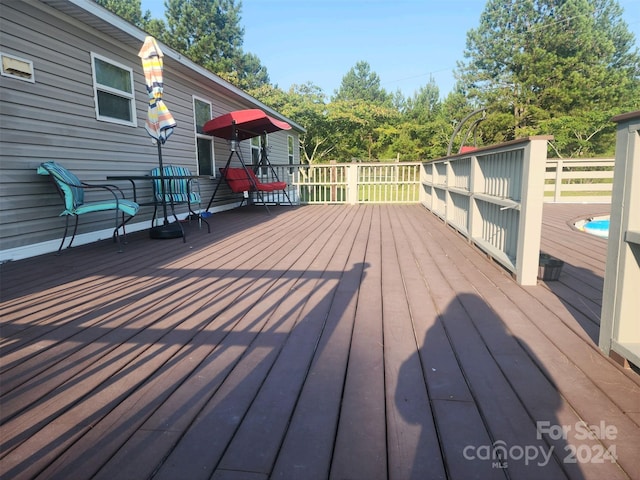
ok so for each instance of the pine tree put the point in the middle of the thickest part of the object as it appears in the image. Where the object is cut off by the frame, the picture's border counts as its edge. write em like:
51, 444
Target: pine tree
539, 61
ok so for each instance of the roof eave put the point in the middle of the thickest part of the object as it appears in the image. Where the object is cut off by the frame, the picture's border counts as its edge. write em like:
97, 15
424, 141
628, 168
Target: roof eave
105, 21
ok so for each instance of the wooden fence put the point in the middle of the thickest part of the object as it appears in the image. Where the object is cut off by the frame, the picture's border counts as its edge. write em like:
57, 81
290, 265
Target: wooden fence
579, 180
354, 183
493, 195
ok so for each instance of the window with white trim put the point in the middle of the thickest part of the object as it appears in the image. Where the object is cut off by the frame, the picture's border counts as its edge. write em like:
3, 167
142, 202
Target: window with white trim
290, 152
204, 143
256, 148
113, 91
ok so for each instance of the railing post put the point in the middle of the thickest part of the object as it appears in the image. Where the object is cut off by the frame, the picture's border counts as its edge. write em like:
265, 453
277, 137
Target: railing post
530, 224
422, 176
619, 323
352, 183
476, 185
333, 178
558, 190
448, 182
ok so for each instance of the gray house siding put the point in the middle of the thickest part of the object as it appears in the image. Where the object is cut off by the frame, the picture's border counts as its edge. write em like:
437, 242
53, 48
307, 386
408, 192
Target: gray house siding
54, 118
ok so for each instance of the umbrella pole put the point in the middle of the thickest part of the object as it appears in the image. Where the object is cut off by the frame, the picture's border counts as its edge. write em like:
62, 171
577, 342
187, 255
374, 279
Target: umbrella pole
167, 230
164, 198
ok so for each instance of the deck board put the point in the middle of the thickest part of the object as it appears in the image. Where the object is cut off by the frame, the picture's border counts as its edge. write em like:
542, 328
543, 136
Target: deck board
317, 342
413, 447
318, 405
360, 444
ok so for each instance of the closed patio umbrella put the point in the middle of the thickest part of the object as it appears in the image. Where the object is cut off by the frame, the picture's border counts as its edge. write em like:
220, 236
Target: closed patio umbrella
159, 123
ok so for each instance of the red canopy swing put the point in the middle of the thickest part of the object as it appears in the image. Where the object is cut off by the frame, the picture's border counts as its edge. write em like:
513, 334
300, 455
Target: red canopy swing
241, 125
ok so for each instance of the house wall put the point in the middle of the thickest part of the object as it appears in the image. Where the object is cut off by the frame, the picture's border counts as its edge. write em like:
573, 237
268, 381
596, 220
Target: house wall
54, 118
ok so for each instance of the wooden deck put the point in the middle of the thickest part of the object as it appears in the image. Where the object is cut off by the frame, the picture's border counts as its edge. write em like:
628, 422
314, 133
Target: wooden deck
320, 342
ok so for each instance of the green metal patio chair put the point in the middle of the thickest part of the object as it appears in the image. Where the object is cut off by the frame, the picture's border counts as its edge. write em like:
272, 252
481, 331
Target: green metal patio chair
72, 191
180, 188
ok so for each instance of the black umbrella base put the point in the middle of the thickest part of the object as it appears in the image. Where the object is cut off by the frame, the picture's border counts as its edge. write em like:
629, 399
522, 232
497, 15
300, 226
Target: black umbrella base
170, 230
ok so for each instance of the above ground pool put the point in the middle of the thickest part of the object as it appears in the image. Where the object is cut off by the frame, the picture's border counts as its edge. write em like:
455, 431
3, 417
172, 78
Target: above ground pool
596, 226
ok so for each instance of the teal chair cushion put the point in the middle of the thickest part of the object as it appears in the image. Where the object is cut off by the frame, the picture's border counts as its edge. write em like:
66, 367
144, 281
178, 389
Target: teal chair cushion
176, 189
72, 190
126, 206
70, 185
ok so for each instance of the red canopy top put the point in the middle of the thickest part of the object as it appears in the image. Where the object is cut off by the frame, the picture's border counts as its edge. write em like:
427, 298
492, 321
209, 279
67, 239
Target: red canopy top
248, 124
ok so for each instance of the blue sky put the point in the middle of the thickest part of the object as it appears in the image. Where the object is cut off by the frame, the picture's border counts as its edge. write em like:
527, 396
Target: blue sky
405, 42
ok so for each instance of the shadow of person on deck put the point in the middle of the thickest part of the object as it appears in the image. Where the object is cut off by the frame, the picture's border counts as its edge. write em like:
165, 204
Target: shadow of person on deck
488, 410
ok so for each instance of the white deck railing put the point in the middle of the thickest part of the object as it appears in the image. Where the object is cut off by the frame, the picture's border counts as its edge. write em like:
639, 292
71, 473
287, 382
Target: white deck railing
620, 320
579, 180
323, 183
494, 195
566, 180
354, 183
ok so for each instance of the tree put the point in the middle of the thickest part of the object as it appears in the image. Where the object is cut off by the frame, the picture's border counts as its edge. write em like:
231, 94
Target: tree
206, 31
360, 83
130, 10
424, 103
359, 128
306, 105
156, 28
536, 61
361, 113
252, 72
417, 132
209, 33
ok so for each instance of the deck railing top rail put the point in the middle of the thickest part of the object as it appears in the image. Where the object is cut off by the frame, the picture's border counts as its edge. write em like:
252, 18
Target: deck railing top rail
510, 145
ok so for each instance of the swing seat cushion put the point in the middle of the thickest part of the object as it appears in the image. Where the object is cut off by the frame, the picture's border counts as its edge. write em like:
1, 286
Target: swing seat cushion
245, 180
237, 179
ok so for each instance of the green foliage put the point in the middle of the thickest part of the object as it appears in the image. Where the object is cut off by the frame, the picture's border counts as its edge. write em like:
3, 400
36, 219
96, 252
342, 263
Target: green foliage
425, 103
306, 104
360, 83
553, 67
130, 10
156, 28
589, 135
358, 127
207, 31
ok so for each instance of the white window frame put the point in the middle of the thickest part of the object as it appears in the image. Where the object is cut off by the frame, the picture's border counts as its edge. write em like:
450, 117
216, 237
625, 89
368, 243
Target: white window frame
262, 171
257, 146
104, 88
203, 136
291, 152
